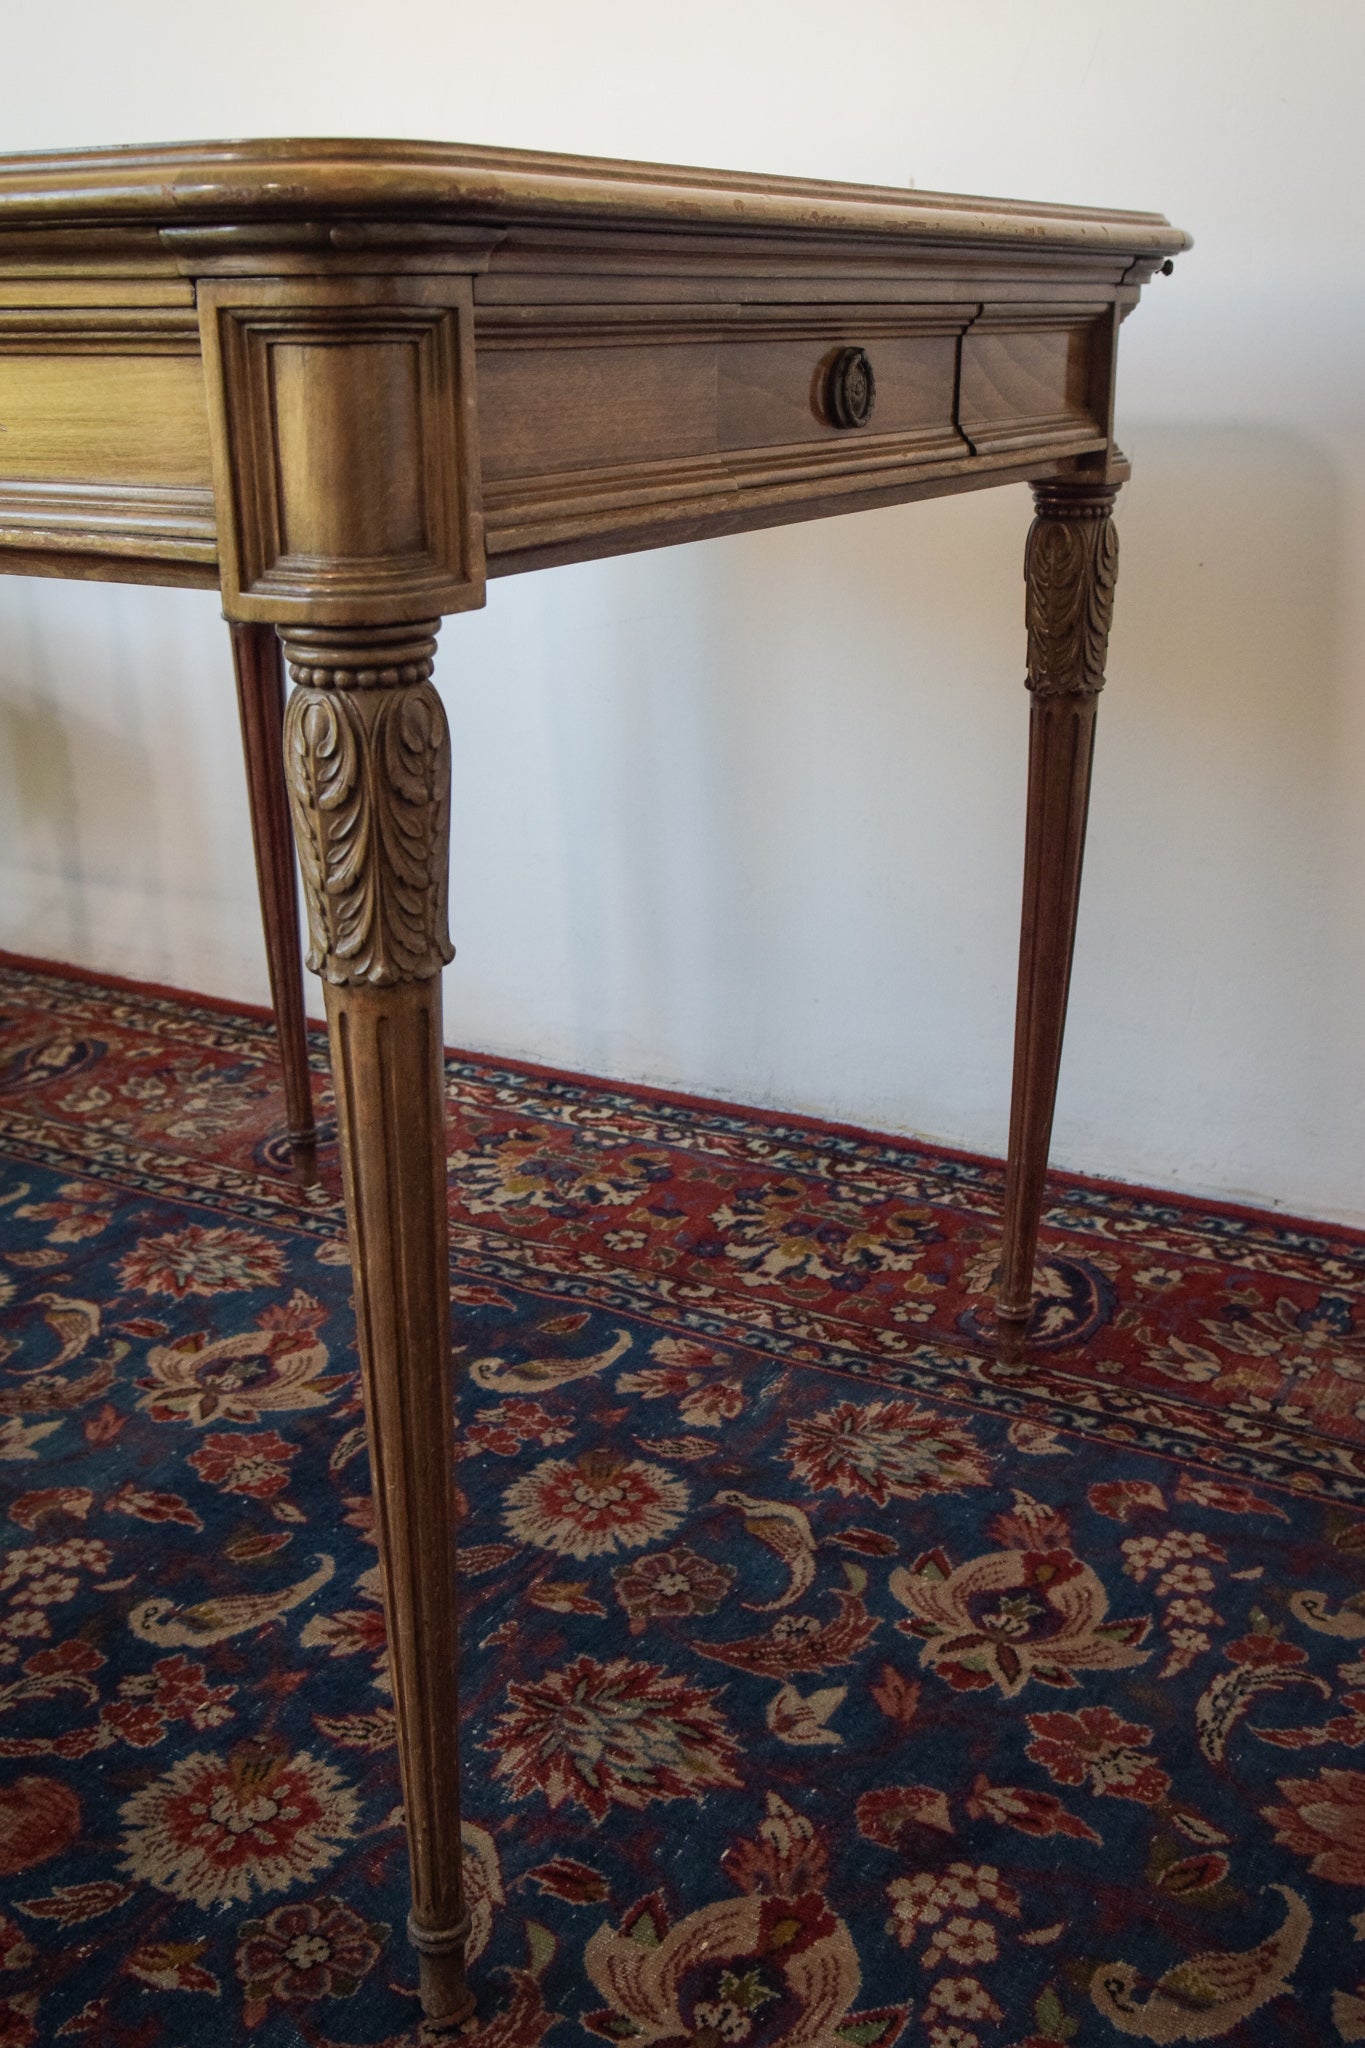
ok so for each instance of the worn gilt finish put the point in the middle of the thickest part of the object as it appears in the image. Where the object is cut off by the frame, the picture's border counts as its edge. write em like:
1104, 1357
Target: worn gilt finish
344, 383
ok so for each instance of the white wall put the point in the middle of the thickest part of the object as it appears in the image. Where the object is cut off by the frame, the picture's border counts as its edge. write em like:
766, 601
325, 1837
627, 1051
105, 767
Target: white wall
745, 817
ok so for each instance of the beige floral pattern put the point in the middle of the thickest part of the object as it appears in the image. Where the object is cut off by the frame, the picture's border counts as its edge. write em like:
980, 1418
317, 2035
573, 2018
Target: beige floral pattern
1014, 1615
765, 1972
279, 1366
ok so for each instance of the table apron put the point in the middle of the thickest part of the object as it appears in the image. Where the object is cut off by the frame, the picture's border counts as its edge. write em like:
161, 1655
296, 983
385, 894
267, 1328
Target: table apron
601, 429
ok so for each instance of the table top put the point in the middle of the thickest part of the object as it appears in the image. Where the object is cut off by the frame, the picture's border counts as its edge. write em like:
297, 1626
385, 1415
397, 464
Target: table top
186, 183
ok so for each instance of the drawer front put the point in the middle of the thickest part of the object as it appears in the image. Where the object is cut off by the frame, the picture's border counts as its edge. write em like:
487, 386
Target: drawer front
1026, 377
626, 426
104, 447
567, 394
104, 394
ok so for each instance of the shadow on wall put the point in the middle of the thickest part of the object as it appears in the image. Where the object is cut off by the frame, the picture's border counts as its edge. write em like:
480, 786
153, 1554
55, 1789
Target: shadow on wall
1212, 990
44, 830
882, 657
806, 765
773, 816
91, 727
804, 755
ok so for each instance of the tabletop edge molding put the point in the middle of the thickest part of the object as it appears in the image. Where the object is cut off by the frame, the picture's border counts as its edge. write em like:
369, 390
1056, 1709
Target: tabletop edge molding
213, 181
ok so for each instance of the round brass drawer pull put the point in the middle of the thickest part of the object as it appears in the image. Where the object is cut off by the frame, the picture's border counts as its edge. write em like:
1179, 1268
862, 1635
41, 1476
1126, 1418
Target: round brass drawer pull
851, 391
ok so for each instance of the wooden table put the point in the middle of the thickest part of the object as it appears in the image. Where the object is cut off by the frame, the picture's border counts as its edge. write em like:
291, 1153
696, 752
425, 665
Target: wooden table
343, 383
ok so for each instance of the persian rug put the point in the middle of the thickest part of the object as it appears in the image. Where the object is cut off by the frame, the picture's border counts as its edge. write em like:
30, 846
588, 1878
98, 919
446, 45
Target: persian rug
826, 1683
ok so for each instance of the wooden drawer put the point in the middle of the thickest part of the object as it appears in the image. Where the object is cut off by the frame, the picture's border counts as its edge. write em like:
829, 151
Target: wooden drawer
594, 418
1027, 377
104, 447
578, 392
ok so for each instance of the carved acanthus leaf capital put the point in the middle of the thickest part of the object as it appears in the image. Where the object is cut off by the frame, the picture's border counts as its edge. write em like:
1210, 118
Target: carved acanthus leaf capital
1071, 567
367, 754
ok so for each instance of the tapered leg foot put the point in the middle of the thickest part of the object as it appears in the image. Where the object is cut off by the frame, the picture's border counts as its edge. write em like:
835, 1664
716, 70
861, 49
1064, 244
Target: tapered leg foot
260, 701
368, 762
1070, 567
444, 1992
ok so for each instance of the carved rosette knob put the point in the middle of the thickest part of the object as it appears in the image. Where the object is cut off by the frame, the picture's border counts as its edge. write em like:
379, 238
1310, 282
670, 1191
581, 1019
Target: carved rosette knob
367, 756
1070, 567
850, 388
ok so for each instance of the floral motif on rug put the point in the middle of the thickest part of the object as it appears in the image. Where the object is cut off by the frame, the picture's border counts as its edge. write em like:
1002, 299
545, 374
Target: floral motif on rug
825, 1685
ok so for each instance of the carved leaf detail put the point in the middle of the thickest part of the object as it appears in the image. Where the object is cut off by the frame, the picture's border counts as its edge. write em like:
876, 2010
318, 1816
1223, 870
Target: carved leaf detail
369, 785
1072, 566
413, 810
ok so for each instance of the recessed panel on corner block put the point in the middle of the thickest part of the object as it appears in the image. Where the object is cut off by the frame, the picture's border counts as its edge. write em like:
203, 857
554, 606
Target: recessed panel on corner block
335, 407
346, 467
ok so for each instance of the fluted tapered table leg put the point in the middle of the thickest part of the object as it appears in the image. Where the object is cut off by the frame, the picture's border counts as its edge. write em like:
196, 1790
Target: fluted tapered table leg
1070, 567
260, 701
368, 761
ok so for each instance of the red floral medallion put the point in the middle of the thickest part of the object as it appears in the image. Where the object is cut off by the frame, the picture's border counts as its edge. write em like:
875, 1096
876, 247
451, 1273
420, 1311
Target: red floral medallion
39, 1818
201, 1260
613, 1734
885, 1449
1325, 1821
254, 1465
215, 1829
599, 1502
